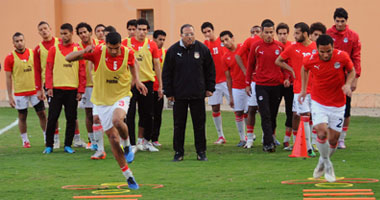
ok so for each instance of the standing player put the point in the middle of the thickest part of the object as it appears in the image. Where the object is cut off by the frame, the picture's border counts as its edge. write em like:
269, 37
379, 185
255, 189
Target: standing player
316, 29
255, 30
159, 37
131, 28
328, 97
19, 69
114, 64
269, 79
40, 57
217, 51
282, 31
99, 32
291, 60
65, 83
236, 83
346, 40
147, 55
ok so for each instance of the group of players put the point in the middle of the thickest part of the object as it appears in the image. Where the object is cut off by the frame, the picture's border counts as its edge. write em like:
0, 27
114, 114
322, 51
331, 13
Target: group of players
253, 76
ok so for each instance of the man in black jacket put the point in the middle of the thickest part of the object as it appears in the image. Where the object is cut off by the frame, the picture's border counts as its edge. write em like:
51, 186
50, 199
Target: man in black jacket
188, 77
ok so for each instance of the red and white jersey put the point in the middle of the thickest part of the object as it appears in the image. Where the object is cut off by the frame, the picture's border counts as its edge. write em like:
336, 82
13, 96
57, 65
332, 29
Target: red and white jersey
229, 63
217, 51
329, 77
294, 55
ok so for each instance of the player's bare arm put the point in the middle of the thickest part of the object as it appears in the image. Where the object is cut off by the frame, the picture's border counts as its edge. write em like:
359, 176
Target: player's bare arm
239, 61
347, 87
281, 63
157, 69
78, 55
9, 89
229, 85
305, 79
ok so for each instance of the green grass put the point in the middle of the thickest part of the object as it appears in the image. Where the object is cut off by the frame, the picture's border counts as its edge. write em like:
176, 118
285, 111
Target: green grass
230, 173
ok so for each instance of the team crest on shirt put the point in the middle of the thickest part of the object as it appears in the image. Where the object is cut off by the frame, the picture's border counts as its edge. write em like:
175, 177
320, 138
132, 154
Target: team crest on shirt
314, 51
261, 98
277, 52
337, 65
345, 40
196, 55
228, 58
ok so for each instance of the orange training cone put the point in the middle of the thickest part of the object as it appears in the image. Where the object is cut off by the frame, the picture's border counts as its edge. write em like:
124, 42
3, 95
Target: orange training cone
299, 148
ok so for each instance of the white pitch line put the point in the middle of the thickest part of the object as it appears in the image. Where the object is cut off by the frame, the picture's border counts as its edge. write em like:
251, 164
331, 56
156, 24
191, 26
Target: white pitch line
5, 129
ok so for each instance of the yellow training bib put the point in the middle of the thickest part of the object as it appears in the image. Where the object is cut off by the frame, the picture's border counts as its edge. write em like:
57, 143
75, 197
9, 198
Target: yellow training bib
145, 60
23, 73
65, 74
43, 58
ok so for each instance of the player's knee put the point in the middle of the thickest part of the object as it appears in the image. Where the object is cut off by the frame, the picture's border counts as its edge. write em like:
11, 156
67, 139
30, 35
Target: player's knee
96, 119
22, 114
117, 122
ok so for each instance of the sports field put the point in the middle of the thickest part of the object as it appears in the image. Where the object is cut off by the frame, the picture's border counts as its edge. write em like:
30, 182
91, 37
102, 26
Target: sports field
230, 173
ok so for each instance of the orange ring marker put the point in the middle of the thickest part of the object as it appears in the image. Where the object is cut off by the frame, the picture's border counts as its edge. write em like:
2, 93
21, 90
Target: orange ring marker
358, 180
106, 196
337, 194
356, 198
337, 190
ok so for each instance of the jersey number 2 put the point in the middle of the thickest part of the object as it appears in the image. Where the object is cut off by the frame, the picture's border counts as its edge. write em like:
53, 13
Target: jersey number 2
339, 125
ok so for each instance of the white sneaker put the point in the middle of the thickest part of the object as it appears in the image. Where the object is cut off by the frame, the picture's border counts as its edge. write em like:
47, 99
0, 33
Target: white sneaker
329, 172
249, 144
79, 143
148, 146
134, 149
56, 144
140, 146
320, 169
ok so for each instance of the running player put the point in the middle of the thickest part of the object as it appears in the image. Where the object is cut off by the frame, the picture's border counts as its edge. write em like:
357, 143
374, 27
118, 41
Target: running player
217, 51
159, 37
99, 32
40, 57
236, 83
291, 60
269, 79
282, 31
19, 69
328, 96
316, 29
65, 83
114, 66
147, 55
346, 40
84, 31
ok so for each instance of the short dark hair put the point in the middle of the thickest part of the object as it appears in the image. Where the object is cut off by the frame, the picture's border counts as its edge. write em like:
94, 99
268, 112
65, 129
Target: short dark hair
110, 29
17, 34
67, 26
303, 26
99, 25
42, 23
325, 40
317, 26
185, 26
282, 26
142, 21
157, 33
265, 21
132, 22
226, 32
113, 38
83, 25
256, 26
341, 13
207, 25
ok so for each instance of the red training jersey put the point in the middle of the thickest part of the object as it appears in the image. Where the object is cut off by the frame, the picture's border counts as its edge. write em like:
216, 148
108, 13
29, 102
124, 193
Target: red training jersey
245, 48
294, 55
261, 60
155, 84
230, 64
9, 64
348, 41
65, 49
329, 77
217, 51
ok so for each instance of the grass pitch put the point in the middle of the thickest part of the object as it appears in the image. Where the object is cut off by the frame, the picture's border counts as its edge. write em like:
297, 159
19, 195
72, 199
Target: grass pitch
230, 173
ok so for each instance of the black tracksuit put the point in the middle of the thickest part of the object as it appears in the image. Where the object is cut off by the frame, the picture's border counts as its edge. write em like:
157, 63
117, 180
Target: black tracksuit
187, 74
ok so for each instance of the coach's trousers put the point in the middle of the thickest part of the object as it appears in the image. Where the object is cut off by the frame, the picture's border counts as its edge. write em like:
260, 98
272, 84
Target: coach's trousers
157, 117
287, 93
66, 98
268, 99
198, 116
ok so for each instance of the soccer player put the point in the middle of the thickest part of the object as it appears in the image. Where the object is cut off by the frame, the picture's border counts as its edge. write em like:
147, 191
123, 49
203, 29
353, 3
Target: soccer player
282, 31
346, 40
291, 60
65, 83
316, 29
217, 51
19, 69
269, 79
255, 30
109, 29
40, 57
131, 28
328, 96
159, 37
114, 66
236, 83
99, 32
147, 55
84, 31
